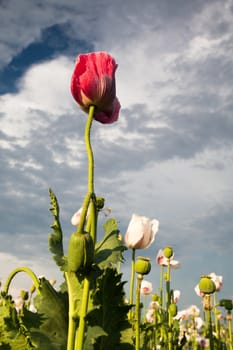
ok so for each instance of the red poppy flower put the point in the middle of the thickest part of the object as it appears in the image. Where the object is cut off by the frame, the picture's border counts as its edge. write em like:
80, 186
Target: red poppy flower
93, 83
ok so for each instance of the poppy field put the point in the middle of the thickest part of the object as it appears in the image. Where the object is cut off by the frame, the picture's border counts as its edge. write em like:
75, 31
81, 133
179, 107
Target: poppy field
90, 309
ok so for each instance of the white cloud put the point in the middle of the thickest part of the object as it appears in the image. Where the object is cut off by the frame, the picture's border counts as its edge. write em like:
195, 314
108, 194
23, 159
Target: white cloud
44, 89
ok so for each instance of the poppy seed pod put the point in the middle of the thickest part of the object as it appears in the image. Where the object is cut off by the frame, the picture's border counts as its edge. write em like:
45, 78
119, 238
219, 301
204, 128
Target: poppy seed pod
206, 285
80, 252
142, 265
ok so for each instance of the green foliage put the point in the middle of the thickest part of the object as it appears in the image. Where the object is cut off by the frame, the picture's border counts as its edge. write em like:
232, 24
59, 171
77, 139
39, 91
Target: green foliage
52, 306
109, 250
109, 312
55, 238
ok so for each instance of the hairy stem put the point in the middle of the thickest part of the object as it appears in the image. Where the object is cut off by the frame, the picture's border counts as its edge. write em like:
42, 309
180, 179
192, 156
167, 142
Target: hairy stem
93, 218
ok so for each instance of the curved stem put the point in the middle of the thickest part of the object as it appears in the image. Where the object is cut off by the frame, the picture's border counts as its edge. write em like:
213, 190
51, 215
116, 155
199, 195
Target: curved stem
89, 149
27, 271
90, 157
132, 283
92, 224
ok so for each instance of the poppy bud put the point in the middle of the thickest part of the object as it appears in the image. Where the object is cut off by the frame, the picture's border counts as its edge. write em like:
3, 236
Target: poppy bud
227, 303
80, 252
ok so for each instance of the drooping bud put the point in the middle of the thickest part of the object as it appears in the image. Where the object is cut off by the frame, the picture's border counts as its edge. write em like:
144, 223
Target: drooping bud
142, 265
168, 252
227, 303
80, 252
206, 285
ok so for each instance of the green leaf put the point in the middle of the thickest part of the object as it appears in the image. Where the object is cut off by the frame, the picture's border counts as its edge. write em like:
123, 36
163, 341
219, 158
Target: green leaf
109, 249
109, 310
55, 238
92, 335
52, 306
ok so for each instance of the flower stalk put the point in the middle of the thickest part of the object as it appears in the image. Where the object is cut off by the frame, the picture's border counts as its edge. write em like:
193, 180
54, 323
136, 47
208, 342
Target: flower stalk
137, 312
131, 292
93, 219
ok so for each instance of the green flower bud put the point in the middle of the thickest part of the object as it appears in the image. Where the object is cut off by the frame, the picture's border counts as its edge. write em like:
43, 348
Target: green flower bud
172, 309
168, 252
227, 303
206, 285
142, 265
80, 252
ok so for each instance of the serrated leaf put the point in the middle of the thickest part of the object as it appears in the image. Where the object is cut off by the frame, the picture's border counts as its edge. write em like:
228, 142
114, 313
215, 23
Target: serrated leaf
109, 250
109, 309
55, 238
52, 306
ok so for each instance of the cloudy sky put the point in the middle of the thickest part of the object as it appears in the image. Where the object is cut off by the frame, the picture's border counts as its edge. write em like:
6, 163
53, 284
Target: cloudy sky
170, 155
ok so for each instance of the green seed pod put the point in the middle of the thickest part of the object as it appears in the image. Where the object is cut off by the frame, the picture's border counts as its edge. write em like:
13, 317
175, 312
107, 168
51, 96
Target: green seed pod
206, 285
172, 309
142, 265
80, 252
168, 252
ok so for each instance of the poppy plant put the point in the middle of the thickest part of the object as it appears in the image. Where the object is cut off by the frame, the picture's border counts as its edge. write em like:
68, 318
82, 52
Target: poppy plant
93, 83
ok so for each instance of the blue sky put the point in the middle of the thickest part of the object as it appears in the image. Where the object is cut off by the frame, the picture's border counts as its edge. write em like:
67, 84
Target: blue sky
170, 155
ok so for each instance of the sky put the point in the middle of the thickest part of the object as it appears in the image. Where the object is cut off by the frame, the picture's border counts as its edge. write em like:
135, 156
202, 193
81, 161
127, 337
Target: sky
169, 156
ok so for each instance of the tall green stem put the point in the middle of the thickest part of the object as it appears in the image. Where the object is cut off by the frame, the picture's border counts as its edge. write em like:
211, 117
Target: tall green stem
210, 330
137, 312
216, 317
27, 271
161, 285
93, 217
229, 319
168, 280
132, 283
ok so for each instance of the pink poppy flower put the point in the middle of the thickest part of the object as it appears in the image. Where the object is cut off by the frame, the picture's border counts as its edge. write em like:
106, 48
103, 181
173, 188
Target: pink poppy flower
218, 280
93, 83
76, 217
176, 296
198, 292
146, 287
163, 261
141, 232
